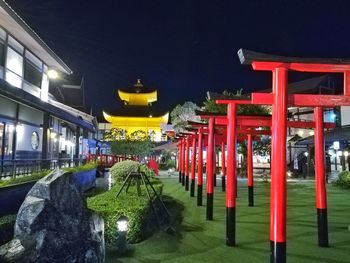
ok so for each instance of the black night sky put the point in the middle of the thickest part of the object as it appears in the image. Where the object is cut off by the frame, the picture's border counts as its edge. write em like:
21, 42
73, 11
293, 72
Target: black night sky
185, 47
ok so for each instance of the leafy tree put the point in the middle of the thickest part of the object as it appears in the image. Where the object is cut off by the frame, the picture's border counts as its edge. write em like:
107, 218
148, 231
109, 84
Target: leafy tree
114, 134
137, 143
183, 113
261, 146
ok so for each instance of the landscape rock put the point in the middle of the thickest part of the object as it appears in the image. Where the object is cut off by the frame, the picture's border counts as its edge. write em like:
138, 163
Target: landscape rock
53, 225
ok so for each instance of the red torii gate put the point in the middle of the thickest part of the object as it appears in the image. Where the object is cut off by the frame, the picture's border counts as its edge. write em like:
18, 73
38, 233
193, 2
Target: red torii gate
242, 121
279, 99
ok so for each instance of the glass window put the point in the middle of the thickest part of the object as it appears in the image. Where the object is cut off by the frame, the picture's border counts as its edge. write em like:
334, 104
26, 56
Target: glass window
6, 144
2, 127
13, 79
2, 34
34, 60
45, 88
15, 44
2, 54
32, 74
14, 62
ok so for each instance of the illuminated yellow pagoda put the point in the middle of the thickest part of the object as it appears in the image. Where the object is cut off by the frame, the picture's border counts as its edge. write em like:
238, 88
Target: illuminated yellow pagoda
138, 112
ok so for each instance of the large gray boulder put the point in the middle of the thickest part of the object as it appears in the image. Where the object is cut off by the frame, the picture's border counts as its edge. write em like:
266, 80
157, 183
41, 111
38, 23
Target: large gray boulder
54, 225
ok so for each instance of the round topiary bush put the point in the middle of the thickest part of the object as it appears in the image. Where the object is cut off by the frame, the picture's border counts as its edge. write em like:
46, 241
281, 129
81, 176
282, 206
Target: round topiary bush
343, 180
120, 170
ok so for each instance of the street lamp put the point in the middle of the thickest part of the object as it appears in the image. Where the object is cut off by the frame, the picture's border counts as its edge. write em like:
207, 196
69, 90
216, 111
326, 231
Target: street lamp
122, 228
52, 74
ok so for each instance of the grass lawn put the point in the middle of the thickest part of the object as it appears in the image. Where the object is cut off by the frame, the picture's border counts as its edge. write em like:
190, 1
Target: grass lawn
203, 241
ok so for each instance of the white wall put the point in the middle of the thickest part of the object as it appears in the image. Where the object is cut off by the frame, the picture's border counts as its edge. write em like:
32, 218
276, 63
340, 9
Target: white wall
345, 115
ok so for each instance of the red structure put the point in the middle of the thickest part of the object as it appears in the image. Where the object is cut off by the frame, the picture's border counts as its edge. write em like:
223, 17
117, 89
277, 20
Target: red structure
200, 168
187, 163
280, 100
223, 166
180, 159
193, 165
250, 170
232, 122
210, 176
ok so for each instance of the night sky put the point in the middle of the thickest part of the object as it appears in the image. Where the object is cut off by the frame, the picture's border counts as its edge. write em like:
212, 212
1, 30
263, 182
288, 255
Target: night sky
183, 48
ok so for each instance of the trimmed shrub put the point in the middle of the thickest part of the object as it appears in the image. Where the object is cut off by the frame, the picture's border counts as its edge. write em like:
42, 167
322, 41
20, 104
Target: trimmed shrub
136, 208
343, 180
120, 170
24, 179
81, 168
7, 224
38, 175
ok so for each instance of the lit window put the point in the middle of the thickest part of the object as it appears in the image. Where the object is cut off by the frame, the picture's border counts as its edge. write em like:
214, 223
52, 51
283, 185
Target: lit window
14, 62
45, 88
15, 44
13, 79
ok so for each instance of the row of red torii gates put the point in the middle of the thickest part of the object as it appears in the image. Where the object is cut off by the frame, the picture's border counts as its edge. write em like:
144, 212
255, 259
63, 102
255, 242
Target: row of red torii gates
226, 130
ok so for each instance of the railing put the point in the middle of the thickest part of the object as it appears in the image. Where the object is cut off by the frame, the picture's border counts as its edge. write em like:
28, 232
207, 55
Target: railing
106, 160
13, 168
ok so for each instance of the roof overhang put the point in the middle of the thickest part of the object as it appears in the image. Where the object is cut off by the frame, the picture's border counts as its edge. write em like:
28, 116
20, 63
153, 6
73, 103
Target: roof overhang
138, 98
19, 29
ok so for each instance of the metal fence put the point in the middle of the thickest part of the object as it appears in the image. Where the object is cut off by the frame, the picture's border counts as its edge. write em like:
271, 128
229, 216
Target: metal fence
13, 168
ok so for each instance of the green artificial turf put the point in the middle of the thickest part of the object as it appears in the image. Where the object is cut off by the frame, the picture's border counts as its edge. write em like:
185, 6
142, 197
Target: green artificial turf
203, 241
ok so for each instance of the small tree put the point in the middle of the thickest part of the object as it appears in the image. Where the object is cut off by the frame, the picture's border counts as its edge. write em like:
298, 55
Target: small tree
137, 143
183, 113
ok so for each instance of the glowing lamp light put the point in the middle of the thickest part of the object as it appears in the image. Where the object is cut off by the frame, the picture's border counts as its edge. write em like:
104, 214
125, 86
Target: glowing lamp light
311, 133
346, 153
19, 128
122, 228
53, 74
306, 154
53, 135
122, 224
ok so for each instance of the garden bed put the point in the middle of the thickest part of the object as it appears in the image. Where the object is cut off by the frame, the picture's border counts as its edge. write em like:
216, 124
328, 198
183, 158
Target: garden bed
142, 222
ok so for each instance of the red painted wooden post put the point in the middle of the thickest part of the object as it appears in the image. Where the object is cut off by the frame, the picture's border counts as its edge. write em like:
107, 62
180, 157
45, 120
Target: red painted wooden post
278, 172
250, 170
223, 163
183, 161
187, 165
200, 168
210, 179
214, 162
179, 159
231, 176
321, 196
193, 165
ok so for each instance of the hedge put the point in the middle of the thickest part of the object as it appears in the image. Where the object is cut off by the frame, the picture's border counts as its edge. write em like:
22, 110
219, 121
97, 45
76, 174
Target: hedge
38, 175
7, 224
24, 179
136, 208
120, 170
343, 180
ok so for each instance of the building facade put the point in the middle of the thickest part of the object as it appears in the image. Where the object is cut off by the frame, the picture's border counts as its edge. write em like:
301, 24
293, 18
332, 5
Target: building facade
36, 130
